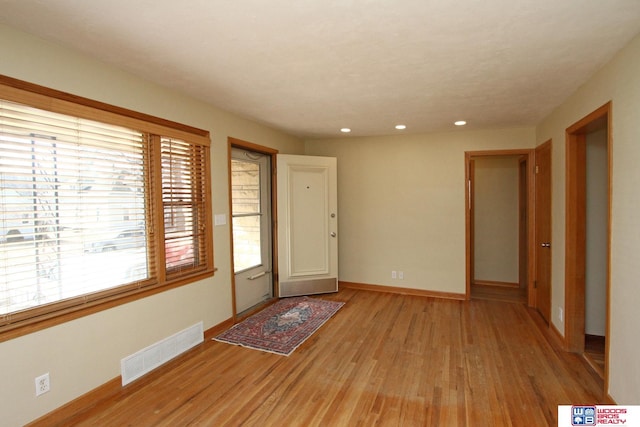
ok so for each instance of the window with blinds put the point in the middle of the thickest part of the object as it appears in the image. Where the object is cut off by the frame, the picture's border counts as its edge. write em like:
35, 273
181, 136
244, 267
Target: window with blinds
183, 201
94, 210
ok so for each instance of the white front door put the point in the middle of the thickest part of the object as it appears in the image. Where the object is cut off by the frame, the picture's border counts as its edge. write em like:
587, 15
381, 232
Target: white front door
251, 221
307, 225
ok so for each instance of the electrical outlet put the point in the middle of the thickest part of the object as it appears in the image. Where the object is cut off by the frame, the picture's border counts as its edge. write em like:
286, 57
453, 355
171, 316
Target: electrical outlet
394, 275
42, 384
401, 275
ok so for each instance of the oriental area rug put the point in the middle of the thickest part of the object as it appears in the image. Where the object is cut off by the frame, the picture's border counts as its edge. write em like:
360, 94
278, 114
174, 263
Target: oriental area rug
283, 326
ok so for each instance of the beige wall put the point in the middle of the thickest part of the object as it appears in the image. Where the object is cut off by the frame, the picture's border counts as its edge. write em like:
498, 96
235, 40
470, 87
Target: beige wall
401, 203
618, 81
85, 353
496, 219
401, 206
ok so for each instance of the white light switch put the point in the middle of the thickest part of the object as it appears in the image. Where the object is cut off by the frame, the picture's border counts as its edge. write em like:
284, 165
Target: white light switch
220, 219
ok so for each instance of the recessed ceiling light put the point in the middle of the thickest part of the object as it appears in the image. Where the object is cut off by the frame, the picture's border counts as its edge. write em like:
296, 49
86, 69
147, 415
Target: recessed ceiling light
460, 123
401, 127
345, 130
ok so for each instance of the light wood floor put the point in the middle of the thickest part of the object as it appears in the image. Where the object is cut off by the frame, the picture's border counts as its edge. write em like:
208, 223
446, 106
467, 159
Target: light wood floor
499, 293
383, 359
594, 349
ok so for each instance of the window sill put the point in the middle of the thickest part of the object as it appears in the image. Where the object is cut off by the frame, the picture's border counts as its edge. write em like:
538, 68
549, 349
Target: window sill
21, 328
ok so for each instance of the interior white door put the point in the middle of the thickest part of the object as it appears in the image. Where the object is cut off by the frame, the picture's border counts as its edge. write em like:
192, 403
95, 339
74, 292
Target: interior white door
307, 225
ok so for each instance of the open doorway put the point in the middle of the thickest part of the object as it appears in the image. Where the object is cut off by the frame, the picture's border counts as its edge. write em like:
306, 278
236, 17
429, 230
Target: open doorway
499, 227
251, 183
588, 238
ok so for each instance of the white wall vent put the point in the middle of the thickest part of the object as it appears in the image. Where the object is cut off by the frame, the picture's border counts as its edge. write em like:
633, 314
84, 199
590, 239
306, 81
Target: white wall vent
136, 365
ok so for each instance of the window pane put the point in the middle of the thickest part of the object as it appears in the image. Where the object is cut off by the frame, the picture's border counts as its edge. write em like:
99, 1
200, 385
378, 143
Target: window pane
73, 197
183, 196
245, 185
246, 242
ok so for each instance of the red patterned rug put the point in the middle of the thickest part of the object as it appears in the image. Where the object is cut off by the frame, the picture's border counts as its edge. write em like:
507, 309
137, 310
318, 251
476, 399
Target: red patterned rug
282, 327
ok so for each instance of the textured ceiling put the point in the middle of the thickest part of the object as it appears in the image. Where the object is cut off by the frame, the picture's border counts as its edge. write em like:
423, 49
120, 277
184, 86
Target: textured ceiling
311, 67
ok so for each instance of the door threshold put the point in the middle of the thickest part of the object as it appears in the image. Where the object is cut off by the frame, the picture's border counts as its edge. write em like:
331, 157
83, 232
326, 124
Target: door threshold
254, 309
593, 364
498, 293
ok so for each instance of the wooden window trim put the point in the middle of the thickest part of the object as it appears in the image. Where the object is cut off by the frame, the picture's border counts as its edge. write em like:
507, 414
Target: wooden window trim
53, 100
53, 96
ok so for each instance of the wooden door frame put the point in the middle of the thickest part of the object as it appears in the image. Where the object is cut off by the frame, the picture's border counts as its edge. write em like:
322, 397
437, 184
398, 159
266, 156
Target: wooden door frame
523, 225
468, 183
471, 233
272, 153
575, 230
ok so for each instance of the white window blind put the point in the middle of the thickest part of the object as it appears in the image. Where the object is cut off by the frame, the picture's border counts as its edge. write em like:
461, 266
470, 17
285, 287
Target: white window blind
99, 206
73, 194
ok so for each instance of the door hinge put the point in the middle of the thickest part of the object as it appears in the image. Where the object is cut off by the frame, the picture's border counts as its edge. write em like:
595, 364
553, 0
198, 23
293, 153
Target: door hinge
535, 284
537, 169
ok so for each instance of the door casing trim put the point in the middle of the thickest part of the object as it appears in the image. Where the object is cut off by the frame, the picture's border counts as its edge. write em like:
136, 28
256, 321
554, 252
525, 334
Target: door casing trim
575, 231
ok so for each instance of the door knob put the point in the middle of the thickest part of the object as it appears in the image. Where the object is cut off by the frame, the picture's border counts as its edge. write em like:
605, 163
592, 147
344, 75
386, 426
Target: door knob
545, 245
333, 234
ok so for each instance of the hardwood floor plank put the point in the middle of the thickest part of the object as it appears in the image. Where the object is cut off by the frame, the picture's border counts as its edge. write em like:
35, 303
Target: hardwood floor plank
382, 359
